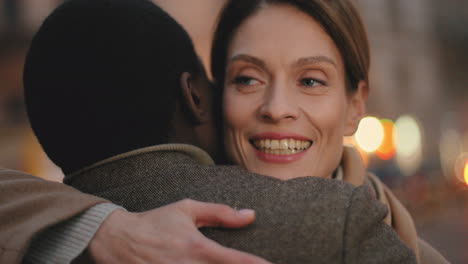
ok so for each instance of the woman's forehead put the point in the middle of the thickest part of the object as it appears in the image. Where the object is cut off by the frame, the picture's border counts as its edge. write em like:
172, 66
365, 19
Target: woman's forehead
282, 32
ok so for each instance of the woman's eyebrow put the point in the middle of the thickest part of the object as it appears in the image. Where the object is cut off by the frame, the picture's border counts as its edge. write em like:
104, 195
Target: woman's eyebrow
314, 60
248, 58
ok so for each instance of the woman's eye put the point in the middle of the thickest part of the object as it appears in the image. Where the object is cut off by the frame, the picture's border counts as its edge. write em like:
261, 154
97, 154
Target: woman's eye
309, 82
245, 80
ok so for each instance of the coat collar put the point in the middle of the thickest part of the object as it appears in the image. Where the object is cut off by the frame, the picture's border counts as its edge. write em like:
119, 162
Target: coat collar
197, 154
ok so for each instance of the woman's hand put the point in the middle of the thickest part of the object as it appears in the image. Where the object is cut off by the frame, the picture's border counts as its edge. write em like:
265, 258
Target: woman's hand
170, 234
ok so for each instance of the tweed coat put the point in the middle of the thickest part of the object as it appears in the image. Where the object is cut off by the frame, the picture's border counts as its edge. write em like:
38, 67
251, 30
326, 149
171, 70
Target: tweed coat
304, 220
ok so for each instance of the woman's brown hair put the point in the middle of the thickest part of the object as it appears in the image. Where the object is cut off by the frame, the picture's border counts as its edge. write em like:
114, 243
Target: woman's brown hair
339, 18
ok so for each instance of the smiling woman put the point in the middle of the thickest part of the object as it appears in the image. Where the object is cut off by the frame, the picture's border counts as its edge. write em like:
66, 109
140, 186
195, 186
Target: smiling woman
296, 96
293, 81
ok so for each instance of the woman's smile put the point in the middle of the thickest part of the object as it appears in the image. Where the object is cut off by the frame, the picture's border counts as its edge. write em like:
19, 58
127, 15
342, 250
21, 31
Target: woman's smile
280, 147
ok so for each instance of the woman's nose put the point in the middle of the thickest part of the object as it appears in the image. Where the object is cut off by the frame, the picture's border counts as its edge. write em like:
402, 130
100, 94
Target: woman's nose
279, 107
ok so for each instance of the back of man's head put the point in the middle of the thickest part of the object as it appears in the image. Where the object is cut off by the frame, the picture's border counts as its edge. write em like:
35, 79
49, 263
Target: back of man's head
102, 77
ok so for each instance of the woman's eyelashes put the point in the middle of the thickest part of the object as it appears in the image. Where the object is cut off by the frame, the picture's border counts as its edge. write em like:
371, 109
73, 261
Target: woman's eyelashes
245, 83
245, 80
313, 86
310, 82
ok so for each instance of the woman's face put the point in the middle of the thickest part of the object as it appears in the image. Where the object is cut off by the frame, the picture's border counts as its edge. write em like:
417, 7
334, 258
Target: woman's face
285, 104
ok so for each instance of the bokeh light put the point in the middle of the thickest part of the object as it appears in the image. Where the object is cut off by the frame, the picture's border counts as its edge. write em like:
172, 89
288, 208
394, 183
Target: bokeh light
408, 141
407, 136
370, 134
387, 150
461, 168
466, 172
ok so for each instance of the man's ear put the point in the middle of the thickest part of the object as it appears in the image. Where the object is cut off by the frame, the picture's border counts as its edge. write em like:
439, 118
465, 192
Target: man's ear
357, 108
191, 99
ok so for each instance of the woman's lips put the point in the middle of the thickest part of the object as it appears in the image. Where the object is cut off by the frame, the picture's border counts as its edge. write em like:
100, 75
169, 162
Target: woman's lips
280, 148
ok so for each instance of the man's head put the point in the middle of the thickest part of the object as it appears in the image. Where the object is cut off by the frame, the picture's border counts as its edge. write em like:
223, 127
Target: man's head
103, 77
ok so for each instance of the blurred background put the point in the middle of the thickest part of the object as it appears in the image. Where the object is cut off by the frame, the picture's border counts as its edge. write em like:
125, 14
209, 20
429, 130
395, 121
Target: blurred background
415, 137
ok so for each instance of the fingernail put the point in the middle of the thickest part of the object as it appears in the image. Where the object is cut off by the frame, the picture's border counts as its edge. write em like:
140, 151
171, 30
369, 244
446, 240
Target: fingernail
246, 212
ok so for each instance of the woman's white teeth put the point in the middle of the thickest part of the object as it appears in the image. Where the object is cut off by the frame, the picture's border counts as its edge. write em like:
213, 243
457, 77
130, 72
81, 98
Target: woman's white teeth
281, 151
281, 147
275, 144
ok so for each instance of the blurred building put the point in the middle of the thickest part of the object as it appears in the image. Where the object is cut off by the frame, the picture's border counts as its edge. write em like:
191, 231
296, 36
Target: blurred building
19, 149
419, 62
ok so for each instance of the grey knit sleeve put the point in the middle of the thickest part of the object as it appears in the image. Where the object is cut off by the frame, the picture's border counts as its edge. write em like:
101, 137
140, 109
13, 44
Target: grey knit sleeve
64, 242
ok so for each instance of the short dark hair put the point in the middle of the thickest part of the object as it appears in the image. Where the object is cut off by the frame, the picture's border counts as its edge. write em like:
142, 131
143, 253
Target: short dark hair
339, 18
102, 77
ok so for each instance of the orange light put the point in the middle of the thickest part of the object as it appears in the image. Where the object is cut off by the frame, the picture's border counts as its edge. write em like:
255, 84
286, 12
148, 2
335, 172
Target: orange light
466, 172
387, 149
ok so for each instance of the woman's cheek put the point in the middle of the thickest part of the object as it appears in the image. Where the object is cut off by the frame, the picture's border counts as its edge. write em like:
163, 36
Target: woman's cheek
238, 111
234, 124
328, 114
